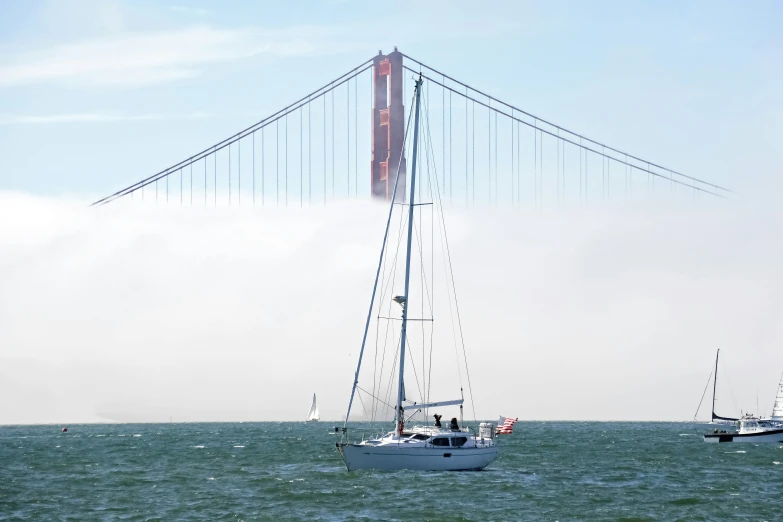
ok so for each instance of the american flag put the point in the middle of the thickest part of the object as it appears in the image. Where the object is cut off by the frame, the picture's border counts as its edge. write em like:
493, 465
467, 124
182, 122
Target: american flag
506, 425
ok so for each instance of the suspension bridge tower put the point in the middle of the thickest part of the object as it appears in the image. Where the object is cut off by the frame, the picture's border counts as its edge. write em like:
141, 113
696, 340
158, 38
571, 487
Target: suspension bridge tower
388, 126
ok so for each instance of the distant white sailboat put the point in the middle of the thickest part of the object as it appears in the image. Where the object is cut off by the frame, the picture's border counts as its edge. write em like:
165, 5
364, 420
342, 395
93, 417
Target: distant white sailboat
314, 415
777, 409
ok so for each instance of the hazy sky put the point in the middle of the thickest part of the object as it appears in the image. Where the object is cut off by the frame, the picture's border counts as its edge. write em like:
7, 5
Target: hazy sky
144, 313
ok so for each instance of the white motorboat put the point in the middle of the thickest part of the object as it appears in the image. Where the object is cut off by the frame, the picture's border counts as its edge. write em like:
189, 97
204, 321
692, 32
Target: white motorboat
436, 448
751, 429
313, 415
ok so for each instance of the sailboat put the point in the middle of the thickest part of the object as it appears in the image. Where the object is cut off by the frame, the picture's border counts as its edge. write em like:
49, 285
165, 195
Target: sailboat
777, 408
313, 415
435, 447
751, 428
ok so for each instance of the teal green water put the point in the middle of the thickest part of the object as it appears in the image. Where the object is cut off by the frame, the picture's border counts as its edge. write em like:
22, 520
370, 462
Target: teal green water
291, 471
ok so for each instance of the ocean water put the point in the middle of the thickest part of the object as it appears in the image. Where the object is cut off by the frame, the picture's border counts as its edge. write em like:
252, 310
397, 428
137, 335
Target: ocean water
292, 471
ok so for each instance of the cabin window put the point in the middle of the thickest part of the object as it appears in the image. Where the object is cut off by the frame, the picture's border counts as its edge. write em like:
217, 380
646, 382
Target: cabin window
458, 441
441, 441
420, 436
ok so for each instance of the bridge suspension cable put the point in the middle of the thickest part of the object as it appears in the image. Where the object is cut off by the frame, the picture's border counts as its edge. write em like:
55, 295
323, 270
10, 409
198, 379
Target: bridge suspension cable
260, 125
557, 127
595, 151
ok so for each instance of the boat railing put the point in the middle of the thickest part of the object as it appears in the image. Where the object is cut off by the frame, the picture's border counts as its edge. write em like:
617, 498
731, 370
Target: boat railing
374, 432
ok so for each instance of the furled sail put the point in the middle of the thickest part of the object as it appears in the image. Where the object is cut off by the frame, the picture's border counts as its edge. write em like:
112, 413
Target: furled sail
715, 417
314, 415
777, 409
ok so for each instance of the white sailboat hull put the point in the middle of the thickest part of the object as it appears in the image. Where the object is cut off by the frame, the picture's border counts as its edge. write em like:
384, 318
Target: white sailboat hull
773, 436
396, 457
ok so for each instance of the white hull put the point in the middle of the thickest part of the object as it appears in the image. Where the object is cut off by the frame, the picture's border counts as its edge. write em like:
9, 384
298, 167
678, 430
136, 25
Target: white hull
774, 437
395, 457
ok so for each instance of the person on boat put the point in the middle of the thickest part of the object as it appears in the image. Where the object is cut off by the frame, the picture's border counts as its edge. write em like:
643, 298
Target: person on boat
453, 425
437, 421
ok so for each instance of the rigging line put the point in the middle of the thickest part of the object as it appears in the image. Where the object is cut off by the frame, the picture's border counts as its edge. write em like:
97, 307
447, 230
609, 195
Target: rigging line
424, 280
254, 169
309, 155
356, 135
594, 151
535, 167
489, 156
450, 181
324, 98
576, 134
374, 397
541, 165
703, 394
473, 155
286, 160
409, 348
586, 192
389, 389
377, 273
454, 289
376, 377
301, 149
348, 137
222, 144
419, 240
430, 158
580, 174
557, 170
361, 401
466, 153
605, 192
564, 172
333, 155
391, 281
519, 171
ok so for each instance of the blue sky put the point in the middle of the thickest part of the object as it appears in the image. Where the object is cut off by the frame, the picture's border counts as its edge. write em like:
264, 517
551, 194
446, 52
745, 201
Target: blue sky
95, 95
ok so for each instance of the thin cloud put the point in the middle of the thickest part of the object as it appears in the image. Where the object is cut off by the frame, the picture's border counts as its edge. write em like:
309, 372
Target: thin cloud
138, 59
188, 10
93, 117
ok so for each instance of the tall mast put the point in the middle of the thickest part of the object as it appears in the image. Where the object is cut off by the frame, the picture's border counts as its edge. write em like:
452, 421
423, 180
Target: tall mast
404, 301
715, 385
